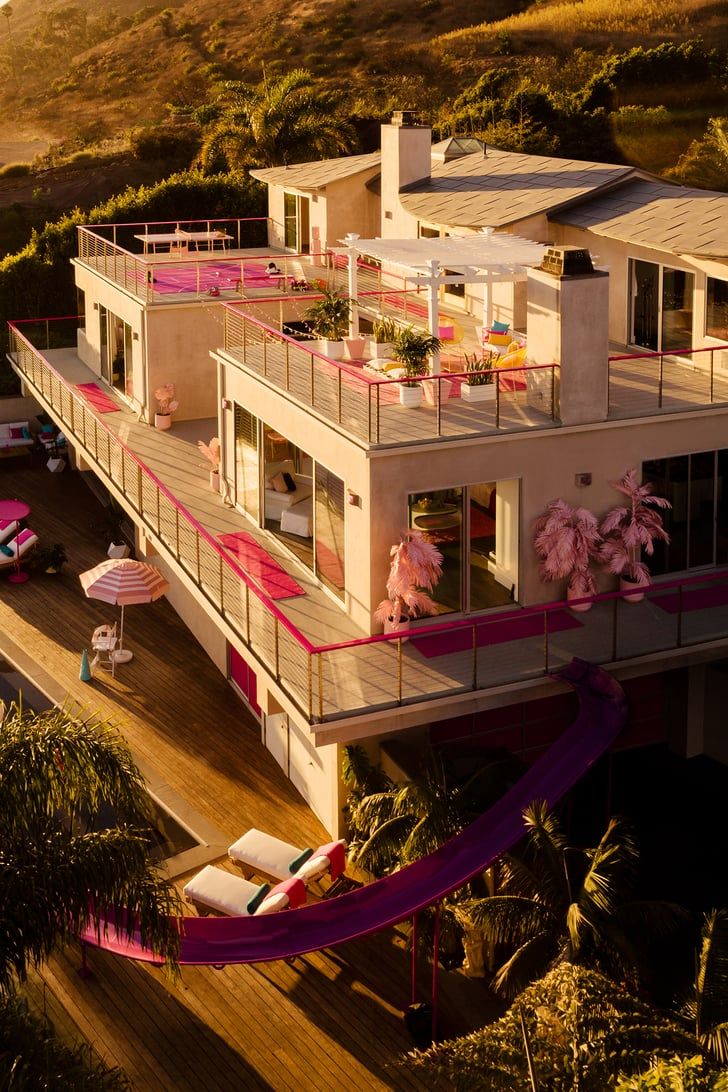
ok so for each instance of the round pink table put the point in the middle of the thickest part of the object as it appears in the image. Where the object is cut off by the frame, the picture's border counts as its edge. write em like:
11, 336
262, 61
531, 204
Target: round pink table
15, 510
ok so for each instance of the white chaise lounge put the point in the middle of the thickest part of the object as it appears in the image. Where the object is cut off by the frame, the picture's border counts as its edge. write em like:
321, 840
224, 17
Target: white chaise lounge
263, 855
215, 889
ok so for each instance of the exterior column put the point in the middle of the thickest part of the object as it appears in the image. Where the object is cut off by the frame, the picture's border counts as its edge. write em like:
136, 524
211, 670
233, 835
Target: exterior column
353, 271
433, 309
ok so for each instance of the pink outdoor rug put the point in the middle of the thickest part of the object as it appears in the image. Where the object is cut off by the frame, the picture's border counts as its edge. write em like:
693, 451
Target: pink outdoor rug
260, 566
517, 628
97, 398
697, 599
168, 280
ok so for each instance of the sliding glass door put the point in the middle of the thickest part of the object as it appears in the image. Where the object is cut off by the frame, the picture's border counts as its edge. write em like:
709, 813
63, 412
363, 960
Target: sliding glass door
661, 311
696, 486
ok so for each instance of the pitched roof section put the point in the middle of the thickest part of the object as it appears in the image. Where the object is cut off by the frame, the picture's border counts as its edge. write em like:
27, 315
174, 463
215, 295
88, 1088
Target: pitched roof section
501, 188
320, 173
658, 215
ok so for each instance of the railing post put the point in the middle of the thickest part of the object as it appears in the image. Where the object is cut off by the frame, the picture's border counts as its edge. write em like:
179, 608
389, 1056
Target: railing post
197, 556
475, 657
288, 366
176, 523
320, 689
615, 616
265, 354
312, 388
553, 390
222, 584
679, 615
309, 672
711, 375
659, 385
377, 418
439, 407
399, 670
276, 663
545, 642
497, 400
247, 614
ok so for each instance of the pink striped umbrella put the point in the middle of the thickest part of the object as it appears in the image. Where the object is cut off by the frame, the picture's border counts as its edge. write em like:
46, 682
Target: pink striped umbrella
123, 582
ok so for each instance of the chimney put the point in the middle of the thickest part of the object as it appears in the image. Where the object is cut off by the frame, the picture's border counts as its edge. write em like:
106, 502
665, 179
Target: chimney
406, 159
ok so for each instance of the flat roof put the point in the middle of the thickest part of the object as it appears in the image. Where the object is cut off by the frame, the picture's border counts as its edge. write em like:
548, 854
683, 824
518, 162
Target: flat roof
501, 188
679, 219
318, 173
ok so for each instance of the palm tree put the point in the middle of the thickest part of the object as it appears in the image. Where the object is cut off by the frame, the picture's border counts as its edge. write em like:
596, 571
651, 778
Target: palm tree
286, 120
556, 903
57, 770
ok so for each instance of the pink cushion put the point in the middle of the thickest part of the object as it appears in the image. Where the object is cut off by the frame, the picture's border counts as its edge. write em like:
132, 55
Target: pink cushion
16, 434
294, 889
336, 852
24, 536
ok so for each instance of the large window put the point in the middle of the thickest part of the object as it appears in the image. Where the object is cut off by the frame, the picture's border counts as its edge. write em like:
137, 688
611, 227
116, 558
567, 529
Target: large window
116, 352
476, 530
296, 223
697, 523
661, 311
246, 462
716, 314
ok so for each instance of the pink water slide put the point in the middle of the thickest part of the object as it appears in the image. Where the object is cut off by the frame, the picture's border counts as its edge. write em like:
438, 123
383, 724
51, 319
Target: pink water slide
215, 941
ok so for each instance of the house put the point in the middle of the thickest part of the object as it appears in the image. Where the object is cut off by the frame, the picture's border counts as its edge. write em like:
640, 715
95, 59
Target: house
323, 467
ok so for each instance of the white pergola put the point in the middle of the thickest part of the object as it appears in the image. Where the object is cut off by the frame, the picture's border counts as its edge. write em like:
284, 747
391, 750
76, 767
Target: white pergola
486, 257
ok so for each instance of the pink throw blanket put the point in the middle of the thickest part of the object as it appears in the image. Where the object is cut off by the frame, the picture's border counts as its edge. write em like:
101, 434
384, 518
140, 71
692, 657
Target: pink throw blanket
336, 853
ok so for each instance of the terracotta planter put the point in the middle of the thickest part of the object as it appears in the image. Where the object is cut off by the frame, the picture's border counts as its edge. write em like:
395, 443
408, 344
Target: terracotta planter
626, 584
354, 348
400, 625
163, 421
410, 396
431, 388
215, 481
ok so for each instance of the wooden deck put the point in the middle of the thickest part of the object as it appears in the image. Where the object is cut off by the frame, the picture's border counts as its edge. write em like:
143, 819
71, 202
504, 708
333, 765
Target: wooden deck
331, 1020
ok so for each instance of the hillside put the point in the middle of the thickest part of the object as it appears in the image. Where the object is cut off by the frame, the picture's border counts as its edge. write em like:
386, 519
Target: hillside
92, 69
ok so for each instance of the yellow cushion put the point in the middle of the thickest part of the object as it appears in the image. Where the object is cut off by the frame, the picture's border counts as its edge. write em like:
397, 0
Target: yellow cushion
513, 347
499, 339
512, 360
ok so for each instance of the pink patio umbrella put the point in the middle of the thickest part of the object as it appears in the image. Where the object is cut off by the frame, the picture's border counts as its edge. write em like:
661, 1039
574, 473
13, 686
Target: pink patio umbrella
123, 582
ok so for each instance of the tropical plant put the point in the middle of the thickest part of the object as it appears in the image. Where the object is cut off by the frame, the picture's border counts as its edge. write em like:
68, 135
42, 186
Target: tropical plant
31, 1057
50, 559
706, 1009
58, 769
329, 316
567, 540
479, 368
415, 568
676, 1075
385, 330
211, 452
165, 399
412, 349
582, 1030
558, 903
285, 120
629, 529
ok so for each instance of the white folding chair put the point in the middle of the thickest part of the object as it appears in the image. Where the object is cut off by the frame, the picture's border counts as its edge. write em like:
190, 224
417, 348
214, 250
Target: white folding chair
104, 643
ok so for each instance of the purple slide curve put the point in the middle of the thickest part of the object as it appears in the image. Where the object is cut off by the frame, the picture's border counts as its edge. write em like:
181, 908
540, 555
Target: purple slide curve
386, 902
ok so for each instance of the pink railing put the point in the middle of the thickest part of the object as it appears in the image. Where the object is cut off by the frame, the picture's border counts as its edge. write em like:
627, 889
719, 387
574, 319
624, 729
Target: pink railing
669, 382
334, 681
366, 405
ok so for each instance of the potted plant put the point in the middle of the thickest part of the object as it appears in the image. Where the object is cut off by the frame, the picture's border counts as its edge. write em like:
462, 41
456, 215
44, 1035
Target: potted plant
412, 349
567, 540
211, 452
629, 529
415, 568
479, 386
51, 559
329, 318
166, 406
384, 334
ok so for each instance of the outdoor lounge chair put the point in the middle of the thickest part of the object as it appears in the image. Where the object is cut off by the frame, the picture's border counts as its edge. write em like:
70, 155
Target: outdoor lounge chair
8, 528
215, 889
264, 855
17, 548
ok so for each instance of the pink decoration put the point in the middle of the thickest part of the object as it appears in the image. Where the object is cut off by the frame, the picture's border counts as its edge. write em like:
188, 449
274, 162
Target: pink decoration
416, 565
629, 529
336, 853
567, 540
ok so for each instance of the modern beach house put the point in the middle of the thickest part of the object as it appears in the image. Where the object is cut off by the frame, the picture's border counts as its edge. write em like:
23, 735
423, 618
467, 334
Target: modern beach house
603, 293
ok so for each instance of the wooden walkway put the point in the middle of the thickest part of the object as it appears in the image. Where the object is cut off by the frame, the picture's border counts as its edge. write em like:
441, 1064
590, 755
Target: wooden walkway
334, 1019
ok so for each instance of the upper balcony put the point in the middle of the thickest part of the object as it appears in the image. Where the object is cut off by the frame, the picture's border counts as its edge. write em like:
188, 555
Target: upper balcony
172, 262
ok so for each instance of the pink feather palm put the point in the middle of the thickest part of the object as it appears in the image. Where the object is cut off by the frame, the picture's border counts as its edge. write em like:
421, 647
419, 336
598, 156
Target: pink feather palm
415, 568
566, 540
629, 529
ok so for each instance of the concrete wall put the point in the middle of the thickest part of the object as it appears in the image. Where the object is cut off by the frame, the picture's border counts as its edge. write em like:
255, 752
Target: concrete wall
19, 409
341, 207
102, 293
406, 158
314, 771
178, 343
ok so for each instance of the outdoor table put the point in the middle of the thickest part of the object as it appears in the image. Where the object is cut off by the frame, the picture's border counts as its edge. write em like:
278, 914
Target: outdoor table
15, 510
172, 238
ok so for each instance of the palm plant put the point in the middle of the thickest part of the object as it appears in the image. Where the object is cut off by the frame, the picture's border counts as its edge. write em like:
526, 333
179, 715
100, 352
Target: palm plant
556, 903
415, 568
566, 540
629, 529
479, 368
329, 316
285, 120
413, 349
706, 1010
57, 770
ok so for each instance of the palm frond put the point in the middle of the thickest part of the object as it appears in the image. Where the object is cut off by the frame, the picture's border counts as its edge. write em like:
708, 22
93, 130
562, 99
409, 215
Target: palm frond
528, 962
508, 919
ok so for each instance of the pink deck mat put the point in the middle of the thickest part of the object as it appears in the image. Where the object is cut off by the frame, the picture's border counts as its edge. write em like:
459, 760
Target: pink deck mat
221, 275
697, 599
493, 633
259, 565
96, 398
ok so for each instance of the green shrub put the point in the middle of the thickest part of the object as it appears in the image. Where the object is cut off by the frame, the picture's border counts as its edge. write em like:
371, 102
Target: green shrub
15, 170
176, 142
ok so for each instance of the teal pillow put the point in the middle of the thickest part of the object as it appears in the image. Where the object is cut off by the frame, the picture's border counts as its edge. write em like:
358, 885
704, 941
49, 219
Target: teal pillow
26, 434
499, 327
302, 857
255, 900
46, 429
6, 550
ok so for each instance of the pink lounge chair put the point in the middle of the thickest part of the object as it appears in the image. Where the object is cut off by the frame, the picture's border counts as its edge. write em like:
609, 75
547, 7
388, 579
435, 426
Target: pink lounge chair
18, 547
8, 528
262, 854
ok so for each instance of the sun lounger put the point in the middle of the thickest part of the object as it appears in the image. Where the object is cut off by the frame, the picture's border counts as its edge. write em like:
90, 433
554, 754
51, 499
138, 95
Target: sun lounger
17, 547
8, 528
264, 855
215, 889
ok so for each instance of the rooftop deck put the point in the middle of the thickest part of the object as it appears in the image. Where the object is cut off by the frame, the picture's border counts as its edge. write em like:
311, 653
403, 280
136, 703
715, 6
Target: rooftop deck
321, 663
333, 1020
